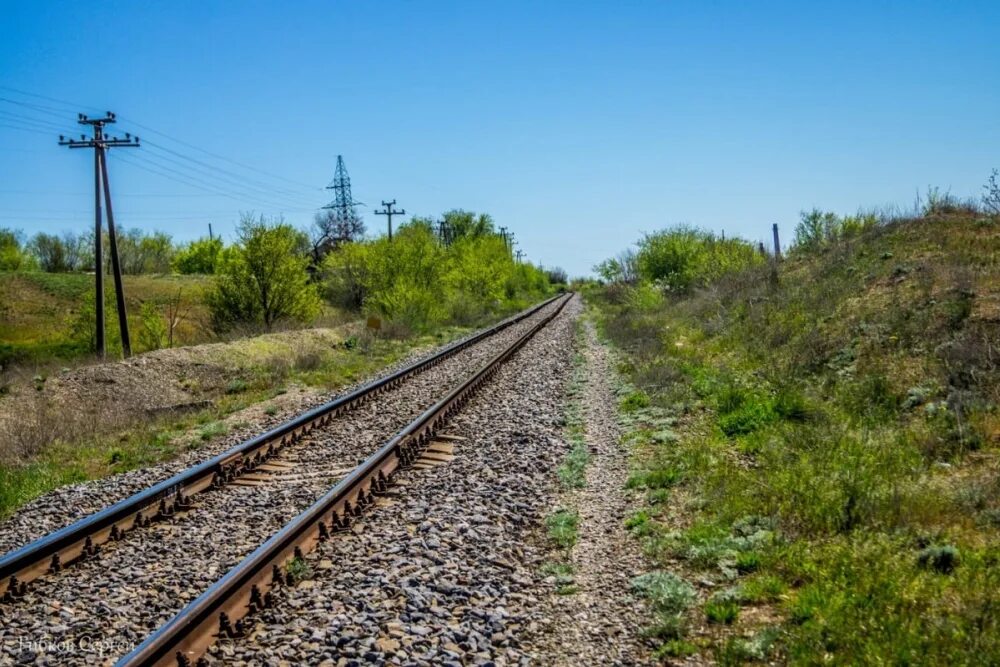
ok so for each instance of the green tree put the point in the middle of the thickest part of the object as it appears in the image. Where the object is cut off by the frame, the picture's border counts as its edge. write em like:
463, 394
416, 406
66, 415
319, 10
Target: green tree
466, 223
200, 256
52, 254
683, 257
13, 255
263, 278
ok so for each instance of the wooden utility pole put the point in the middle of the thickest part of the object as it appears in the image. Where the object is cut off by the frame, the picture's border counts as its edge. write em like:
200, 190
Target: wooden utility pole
388, 212
101, 144
777, 244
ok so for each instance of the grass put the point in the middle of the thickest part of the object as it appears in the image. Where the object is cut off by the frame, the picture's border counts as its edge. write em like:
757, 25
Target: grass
562, 528
40, 309
832, 446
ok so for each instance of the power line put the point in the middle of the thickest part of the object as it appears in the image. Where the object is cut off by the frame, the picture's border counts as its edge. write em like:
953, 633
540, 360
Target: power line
230, 181
216, 171
180, 177
221, 157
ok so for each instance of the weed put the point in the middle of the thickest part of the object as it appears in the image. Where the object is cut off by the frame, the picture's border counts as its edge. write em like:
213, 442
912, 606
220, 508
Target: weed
662, 478
236, 386
942, 559
676, 648
634, 401
298, 569
723, 612
667, 592
763, 588
572, 472
271, 410
562, 526
212, 430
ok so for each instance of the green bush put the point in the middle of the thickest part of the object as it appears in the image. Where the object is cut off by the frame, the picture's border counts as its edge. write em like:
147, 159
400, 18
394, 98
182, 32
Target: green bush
262, 279
200, 256
681, 258
418, 281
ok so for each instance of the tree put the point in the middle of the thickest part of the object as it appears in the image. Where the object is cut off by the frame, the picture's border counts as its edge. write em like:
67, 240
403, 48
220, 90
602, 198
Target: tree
52, 253
263, 278
201, 256
330, 230
556, 276
466, 223
13, 255
139, 252
991, 196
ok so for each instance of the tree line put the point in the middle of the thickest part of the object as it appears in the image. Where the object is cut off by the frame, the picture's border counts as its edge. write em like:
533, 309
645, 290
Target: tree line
453, 269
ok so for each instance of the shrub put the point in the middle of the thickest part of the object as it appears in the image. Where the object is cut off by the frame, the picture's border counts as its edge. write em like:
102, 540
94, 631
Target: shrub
262, 279
681, 258
667, 592
941, 559
200, 256
723, 612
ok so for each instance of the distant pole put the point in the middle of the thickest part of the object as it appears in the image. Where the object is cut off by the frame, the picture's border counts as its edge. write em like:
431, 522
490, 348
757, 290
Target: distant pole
777, 244
519, 254
760, 247
210, 237
100, 144
388, 212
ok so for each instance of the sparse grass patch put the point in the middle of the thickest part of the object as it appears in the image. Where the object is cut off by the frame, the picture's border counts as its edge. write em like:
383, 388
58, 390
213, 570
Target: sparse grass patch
573, 471
212, 430
562, 527
723, 612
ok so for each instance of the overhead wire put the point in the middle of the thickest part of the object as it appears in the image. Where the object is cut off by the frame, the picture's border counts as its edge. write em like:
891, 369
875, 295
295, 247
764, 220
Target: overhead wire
161, 160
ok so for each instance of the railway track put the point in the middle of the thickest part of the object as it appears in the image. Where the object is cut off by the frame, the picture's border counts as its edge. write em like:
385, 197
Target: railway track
267, 478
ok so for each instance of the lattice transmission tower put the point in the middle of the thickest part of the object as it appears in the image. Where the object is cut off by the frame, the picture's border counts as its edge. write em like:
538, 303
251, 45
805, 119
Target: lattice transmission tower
343, 204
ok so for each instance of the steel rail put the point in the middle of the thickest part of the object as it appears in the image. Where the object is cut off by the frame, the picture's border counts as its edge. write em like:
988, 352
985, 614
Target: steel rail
219, 612
83, 538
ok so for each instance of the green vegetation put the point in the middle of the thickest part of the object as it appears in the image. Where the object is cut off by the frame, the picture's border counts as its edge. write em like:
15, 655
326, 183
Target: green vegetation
262, 279
418, 281
828, 429
50, 316
562, 526
298, 569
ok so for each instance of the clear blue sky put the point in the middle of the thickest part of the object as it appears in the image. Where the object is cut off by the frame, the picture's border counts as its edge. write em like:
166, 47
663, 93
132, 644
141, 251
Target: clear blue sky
576, 124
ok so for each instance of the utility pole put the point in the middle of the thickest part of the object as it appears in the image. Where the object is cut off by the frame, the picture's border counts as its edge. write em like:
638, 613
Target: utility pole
519, 254
101, 144
388, 212
777, 244
210, 236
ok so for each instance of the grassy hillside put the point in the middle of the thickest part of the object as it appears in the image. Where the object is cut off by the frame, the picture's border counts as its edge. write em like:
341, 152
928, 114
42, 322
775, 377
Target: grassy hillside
46, 316
818, 449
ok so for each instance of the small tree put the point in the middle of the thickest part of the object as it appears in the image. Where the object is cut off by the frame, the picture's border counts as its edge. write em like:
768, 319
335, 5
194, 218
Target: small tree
201, 256
51, 251
991, 196
263, 278
330, 230
13, 256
